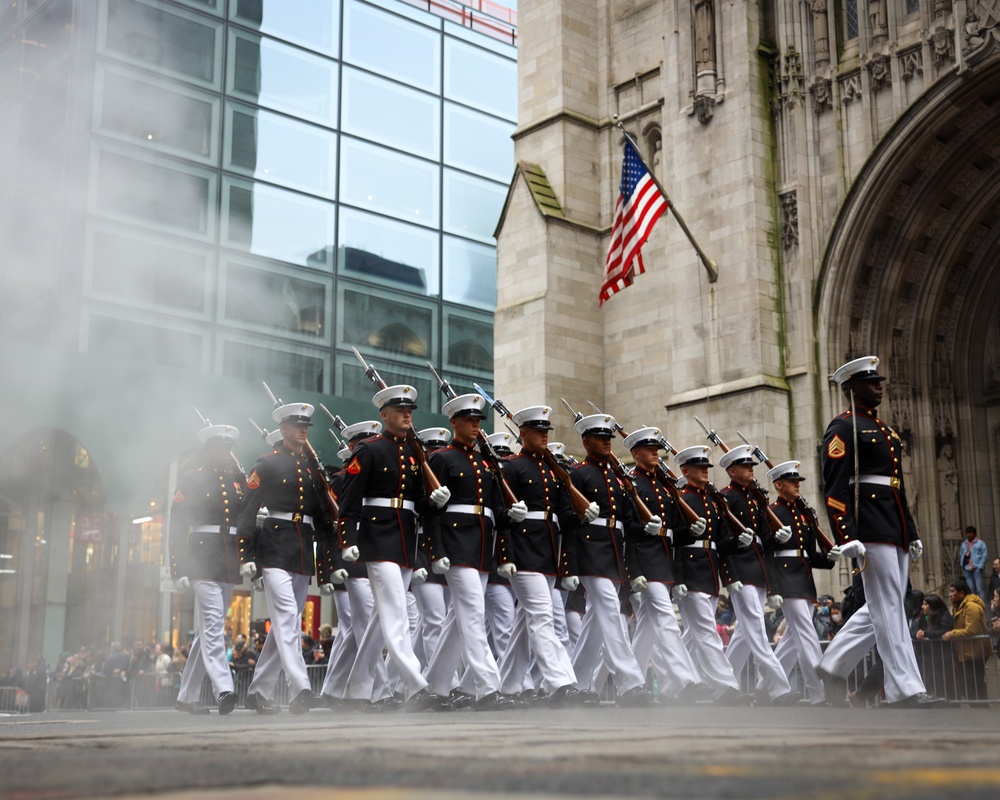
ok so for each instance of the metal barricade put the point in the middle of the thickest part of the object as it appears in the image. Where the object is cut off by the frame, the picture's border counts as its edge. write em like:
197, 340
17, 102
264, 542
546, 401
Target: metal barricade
67, 694
13, 700
108, 693
155, 690
962, 670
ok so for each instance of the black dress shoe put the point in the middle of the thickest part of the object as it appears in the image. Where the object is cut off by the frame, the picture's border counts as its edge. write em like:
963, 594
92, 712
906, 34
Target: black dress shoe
227, 702
459, 699
695, 693
590, 698
496, 702
260, 705
733, 697
565, 697
637, 697
920, 700
425, 701
787, 699
191, 708
528, 697
388, 704
329, 701
303, 701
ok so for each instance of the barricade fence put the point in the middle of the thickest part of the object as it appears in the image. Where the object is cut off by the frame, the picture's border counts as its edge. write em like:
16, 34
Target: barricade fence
13, 700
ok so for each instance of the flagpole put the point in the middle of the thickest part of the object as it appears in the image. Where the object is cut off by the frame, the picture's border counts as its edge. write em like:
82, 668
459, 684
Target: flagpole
710, 266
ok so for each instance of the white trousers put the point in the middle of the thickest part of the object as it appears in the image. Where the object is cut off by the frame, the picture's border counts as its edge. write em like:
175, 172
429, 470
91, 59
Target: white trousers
657, 637
388, 626
396, 683
800, 644
208, 650
882, 621
559, 616
499, 616
534, 632
286, 594
750, 636
574, 626
604, 636
361, 604
704, 643
464, 636
433, 604
344, 650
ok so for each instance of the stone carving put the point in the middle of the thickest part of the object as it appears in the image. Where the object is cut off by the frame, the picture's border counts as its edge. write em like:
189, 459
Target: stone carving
991, 358
947, 474
704, 108
704, 50
788, 93
942, 44
876, 15
850, 87
789, 219
821, 32
911, 63
822, 94
972, 32
879, 67
942, 8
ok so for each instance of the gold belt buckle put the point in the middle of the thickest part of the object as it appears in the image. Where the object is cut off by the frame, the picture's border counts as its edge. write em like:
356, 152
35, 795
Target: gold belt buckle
707, 544
296, 517
395, 502
894, 483
477, 509
611, 521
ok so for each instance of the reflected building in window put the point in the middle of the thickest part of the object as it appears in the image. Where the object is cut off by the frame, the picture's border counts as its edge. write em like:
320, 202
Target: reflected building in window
197, 195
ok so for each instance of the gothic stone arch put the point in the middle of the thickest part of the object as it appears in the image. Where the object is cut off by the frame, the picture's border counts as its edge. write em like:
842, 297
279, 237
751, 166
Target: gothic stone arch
911, 274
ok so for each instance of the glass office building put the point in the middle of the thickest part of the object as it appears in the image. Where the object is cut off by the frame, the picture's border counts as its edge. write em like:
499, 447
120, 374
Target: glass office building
198, 195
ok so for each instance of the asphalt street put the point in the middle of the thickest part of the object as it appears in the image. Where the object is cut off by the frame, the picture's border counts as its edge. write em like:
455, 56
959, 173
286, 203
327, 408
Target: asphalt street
701, 752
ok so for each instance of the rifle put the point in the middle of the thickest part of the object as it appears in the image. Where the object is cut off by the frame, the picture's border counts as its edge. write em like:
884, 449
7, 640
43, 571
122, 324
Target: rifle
326, 493
772, 519
232, 455
667, 477
641, 509
579, 502
431, 482
824, 541
487, 450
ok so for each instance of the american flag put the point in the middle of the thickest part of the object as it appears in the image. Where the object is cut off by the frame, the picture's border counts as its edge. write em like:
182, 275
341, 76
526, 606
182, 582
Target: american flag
639, 205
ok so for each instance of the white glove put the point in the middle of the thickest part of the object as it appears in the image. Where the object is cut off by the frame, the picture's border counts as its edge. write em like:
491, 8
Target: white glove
775, 601
916, 549
338, 576
680, 590
698, 527
852, 549
182, 585
835, 554
326, 589
570, 583
440, 496
247, 570
258, 584
735, 586
441, 566
518, 511
640, 584
745, 537
262, 514
418, 577
507, 571
783, 534
593, 512
652, 528
350, 553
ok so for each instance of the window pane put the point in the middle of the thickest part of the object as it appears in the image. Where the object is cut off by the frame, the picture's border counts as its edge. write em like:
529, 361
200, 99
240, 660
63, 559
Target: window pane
279, 224
275, 300
148, 272
381, 180
46, 39
312, 23
470, 273
372, 322
284, 78
8, 68
154, 193
44, 113
249, 362
851, 19
141, 342
277, 149
912, 6
471, 206
8, 15
354, 384
480, 79
175, 42
151, 114
391, 114
478, 143
470, 343
392, 46
385, 252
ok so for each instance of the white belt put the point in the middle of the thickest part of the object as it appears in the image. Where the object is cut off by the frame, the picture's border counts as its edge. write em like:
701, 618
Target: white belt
545, 516
700, 546
464, 508
212, 529
291, 516
788, 553
389, 502
880, 480
606, 523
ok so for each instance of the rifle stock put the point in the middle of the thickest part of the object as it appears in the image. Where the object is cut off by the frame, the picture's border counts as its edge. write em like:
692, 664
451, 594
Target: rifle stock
576, 498
332, 508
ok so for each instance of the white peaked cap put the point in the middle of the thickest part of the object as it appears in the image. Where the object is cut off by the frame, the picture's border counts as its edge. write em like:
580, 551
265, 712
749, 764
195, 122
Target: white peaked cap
219, 432
596, 424
699, 455
865, 368
399, 395
300, 413
367, 428
645, 435
786, 470
741, 454
534, 417
465, 405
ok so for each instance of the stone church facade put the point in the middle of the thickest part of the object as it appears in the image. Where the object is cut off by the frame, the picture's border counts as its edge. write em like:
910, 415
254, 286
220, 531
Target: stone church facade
839, 160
